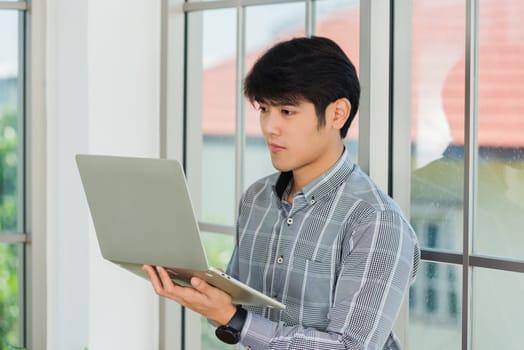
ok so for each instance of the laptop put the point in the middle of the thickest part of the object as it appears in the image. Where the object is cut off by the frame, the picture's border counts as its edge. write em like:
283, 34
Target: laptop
142, 214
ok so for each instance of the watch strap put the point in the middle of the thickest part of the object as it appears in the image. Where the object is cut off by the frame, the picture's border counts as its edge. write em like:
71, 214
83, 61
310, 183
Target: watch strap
238, 319
230, 333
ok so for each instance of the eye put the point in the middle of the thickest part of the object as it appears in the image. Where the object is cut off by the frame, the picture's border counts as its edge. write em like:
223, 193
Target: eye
262, 108
287, 111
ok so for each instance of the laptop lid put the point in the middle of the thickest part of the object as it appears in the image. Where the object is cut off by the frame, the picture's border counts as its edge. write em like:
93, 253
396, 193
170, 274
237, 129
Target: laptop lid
121, 189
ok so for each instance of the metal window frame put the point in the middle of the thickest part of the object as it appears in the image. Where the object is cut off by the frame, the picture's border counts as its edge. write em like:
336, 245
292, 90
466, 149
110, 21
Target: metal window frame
224, 4
36, 180
374, 138
14, 237
399, 181
470, 162
240, 123
482, 261
15, 5
22, 176
173, 38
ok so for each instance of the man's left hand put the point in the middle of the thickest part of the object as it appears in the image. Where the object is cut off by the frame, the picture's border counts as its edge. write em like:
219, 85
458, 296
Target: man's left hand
212, 303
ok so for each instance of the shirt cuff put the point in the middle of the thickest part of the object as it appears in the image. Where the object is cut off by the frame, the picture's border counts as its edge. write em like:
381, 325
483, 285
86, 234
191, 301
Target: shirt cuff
257, 332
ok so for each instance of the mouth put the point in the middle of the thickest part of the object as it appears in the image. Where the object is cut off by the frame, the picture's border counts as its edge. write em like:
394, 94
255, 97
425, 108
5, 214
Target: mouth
273, 147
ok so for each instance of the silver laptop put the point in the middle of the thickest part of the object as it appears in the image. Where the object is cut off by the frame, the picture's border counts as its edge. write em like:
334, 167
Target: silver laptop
142, 214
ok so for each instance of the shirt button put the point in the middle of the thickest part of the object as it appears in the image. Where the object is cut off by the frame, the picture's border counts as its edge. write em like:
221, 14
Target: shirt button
248, 347
280, 259
289, 221
312, 201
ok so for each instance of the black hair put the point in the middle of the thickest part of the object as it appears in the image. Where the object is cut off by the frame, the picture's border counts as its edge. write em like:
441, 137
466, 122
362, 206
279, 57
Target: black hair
314, 69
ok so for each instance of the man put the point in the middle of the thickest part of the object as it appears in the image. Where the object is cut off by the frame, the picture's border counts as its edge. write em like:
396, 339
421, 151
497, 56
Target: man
319, 235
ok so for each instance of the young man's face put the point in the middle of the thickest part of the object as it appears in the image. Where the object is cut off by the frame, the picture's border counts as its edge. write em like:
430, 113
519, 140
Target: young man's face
295, 140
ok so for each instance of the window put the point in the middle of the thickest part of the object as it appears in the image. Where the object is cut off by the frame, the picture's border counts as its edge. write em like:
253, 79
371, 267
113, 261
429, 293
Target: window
12, 174
468, 169
466, 163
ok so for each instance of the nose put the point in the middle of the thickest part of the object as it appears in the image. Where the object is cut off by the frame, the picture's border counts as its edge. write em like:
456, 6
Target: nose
269, 122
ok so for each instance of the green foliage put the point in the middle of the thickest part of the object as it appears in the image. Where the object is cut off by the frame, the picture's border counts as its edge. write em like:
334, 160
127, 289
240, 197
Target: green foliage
218, 249
11, 347
8, 294
8, 219
208, 338
8, 169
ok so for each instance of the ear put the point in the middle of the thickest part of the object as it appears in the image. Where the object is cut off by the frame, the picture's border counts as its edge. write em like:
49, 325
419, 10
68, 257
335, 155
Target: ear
340, 112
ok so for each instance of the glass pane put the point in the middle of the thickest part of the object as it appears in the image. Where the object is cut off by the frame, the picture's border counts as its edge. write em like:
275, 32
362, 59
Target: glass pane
438, 123
219, 248
10, 254
265, 26
8, 44
9, 312
339, 20
435, 305
218, 116
208, 339
497, 306
8, 163
501, 129
8, 120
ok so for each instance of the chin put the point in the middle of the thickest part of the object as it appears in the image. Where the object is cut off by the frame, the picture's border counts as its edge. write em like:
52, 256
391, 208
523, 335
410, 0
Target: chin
282, 167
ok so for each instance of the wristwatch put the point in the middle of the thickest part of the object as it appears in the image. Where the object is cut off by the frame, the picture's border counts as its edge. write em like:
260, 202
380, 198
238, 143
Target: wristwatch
230, 333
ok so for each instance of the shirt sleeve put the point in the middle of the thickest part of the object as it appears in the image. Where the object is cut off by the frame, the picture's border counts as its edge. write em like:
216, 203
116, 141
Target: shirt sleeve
377, 266
232, 266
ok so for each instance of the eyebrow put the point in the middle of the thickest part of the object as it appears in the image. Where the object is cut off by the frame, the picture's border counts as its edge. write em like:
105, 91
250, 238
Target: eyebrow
280, 102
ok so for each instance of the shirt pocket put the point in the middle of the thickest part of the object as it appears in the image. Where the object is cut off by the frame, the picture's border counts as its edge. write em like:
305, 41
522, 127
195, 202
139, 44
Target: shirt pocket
315, 271
311, 289
316, 254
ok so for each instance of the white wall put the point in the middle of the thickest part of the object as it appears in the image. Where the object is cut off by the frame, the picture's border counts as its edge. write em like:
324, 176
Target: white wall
103, 97
67, 241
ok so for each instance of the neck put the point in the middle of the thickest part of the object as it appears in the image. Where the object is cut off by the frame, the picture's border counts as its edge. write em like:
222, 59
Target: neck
303, 177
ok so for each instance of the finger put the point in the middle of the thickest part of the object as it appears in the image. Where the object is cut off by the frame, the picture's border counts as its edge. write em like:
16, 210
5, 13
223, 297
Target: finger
148, 269
166, 280
210, 292
151, 273
200, 285
163, 274
153, 277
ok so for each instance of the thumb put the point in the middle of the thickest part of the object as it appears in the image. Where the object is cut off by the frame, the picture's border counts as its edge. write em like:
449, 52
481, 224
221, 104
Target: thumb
199, 284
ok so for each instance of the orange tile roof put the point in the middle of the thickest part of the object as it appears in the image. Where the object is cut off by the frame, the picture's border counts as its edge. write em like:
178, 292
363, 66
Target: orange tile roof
437, 73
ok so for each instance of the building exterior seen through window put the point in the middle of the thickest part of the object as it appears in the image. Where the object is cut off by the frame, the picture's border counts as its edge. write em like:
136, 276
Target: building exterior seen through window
438, 172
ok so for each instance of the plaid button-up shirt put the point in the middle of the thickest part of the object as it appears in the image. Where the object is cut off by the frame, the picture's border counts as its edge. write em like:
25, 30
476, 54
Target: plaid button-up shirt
341, 258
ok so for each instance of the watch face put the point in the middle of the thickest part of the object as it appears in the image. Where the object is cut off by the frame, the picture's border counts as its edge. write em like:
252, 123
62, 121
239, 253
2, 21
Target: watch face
227, 334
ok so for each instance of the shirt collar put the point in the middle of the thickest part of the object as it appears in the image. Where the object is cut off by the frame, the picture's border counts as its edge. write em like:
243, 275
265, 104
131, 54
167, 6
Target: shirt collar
324, 184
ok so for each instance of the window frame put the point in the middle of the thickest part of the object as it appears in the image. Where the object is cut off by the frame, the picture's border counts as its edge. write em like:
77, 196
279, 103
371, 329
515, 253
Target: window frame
36, 177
